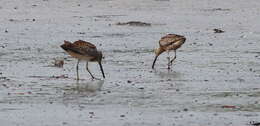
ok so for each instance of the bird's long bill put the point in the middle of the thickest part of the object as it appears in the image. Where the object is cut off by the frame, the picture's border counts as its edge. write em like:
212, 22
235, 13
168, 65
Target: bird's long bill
101, 68
154, 61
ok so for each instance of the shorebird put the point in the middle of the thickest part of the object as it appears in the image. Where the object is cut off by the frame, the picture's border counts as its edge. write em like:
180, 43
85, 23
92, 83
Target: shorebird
85, 51
168, 43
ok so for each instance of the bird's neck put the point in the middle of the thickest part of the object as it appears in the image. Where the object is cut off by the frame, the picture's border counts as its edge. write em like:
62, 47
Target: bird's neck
158, 51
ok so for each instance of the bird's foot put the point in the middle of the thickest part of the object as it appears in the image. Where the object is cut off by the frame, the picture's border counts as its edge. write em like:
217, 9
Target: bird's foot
169, 66
93, 78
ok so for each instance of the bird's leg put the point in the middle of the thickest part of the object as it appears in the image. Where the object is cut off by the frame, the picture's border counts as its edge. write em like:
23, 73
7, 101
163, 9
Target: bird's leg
168, 59
89, 71
77, 69
173, 58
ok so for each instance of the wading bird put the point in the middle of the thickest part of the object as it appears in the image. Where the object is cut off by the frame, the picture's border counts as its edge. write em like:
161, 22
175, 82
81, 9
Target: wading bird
86, 51
168, 43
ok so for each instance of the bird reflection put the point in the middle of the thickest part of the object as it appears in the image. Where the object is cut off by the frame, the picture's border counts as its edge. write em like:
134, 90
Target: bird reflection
167, 74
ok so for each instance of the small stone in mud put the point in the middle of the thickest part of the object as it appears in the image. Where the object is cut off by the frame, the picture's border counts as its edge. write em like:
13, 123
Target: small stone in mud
64, 123
129, 81
4, 85
206, 80
218, 30
185, 109
81, 33
15, 8
122, 115
108, 91
92, 113
177, 90
6, 31
210, 44
241, 80
33, 19
141, 88
254, 123
11, 20
58, 63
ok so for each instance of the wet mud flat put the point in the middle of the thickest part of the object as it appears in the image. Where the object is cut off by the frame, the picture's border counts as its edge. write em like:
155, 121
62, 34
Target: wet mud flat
214, 80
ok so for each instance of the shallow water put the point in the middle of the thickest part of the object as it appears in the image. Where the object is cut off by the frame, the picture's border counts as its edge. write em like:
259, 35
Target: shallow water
214, 80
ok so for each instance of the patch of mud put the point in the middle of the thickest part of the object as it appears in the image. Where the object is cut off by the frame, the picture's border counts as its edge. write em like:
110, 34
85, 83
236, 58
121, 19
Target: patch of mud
117, 35
108, 16
217, 9
134, 23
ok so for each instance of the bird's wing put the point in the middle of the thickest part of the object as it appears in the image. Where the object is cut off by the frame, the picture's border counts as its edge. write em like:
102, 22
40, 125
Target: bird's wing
169, 39
80, 47
86, 51
84, 44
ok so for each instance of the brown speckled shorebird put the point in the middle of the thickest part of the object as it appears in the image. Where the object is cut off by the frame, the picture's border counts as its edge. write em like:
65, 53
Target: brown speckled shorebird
168, 43
86, 51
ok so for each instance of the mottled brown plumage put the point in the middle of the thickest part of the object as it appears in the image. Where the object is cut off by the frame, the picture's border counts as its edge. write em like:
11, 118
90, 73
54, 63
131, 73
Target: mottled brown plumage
83, 50
168, 43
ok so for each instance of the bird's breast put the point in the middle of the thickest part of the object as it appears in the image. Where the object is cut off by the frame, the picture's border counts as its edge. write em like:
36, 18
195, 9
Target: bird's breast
81, 57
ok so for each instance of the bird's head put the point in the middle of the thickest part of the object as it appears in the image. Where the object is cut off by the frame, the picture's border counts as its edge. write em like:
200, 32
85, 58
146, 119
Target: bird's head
99, 56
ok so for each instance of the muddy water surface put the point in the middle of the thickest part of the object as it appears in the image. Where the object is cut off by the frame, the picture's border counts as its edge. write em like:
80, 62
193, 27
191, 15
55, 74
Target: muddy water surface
214, 80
